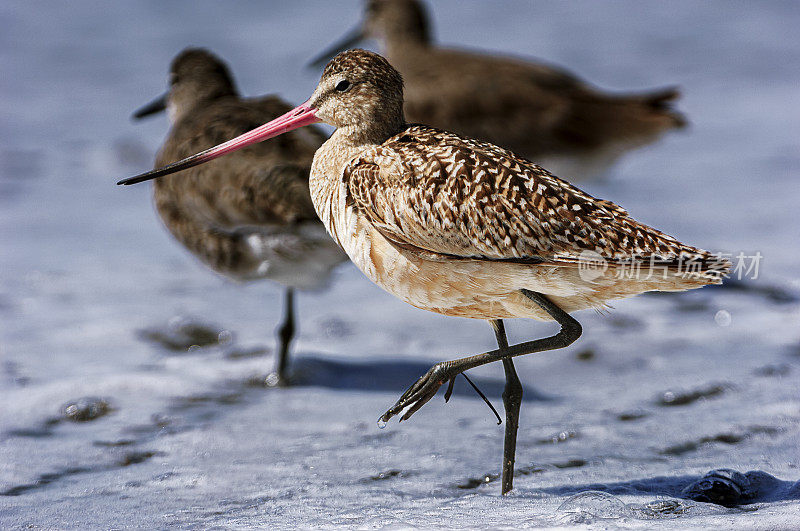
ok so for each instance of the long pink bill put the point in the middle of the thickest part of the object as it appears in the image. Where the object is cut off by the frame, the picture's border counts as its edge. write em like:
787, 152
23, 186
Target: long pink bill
297, 117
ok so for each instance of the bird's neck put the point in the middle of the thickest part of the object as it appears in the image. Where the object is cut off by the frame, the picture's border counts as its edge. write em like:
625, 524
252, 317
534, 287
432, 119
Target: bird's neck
347, 142
407, 29
181, 105
398, 45
331, 158
373, 133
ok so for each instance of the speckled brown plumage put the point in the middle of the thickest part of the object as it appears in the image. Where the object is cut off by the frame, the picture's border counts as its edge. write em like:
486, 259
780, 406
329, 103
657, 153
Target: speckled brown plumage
459, 226
536, 110
451, 195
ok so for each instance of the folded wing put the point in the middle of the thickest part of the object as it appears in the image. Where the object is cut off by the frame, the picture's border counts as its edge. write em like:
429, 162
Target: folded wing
441, 193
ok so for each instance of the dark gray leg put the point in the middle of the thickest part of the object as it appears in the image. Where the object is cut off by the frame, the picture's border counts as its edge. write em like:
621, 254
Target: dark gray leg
512, 400
425, 388
285, 334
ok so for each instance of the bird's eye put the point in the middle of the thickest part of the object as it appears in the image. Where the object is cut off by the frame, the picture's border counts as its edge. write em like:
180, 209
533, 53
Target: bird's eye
343, 85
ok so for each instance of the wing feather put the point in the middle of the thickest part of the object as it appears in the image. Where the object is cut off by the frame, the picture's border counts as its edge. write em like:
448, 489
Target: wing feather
445, 194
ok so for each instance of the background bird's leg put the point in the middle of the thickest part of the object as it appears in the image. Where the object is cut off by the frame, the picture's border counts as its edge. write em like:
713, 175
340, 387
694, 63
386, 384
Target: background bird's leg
425, 388
285, 334
512, 400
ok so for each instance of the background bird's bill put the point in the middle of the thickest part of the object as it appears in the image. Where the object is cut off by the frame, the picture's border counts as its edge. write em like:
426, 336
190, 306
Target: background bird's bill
157, 105
300, 116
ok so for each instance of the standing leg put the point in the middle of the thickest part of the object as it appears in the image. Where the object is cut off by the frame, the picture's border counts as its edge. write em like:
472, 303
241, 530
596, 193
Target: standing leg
512, 400
285, 335
426, 387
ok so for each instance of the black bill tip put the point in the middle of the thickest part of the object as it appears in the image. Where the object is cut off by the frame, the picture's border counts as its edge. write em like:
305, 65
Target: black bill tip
188, 162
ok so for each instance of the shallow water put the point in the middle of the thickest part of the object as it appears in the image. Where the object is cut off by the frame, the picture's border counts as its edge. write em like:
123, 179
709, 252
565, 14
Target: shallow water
656, 394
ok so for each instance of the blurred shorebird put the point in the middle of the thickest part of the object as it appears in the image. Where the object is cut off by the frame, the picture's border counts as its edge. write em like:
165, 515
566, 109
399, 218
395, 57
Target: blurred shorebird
539, 111
249, 216
463, 227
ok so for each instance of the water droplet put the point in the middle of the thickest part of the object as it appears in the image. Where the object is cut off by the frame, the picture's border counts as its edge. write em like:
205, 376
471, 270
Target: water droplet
272, 380
225, 336
587, 506
723, 318
381, 423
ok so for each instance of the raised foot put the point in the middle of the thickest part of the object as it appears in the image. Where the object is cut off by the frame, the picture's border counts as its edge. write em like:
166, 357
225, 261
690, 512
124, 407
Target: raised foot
420, 393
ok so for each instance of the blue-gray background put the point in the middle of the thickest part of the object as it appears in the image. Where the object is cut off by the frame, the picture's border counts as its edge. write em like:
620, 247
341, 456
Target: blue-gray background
84, 264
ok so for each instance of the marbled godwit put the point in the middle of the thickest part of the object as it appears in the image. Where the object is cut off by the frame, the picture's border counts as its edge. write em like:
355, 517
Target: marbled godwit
249, 216
463, 227
537, 110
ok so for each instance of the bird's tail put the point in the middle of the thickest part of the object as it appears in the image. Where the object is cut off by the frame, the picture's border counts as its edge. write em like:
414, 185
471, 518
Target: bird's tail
661, 102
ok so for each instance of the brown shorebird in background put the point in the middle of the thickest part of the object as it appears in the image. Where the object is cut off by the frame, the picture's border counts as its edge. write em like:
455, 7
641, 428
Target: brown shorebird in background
537, 110
249, 216
463, 227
